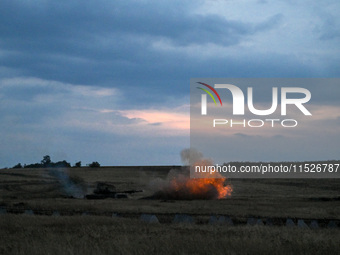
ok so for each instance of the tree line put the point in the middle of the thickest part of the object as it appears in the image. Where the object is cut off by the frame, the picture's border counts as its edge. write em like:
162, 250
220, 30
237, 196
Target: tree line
47, 162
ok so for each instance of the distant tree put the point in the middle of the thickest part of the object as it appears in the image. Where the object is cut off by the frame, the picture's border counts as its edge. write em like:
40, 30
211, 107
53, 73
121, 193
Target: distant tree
63, 163
46, 160
36, 165
17, 166
94, 164
78, 164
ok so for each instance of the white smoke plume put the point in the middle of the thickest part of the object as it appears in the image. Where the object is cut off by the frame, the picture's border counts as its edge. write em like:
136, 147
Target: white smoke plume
71, 186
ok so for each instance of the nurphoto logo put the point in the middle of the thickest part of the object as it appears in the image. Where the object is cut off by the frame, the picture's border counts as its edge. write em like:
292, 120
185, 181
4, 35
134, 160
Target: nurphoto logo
238, 104
264, 127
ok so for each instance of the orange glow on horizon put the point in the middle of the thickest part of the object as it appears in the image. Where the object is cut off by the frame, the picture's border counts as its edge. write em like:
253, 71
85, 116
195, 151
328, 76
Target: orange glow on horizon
171, 120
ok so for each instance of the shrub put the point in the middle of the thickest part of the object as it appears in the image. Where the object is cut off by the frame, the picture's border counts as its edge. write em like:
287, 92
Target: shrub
17, 166
94, 164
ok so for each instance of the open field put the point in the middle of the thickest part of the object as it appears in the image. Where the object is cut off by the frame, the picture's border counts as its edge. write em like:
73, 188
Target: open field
98, 233
105, 235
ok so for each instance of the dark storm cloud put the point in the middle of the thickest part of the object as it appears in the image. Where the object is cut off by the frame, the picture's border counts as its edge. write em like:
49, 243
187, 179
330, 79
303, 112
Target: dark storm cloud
65, 23
105, 41
112, 44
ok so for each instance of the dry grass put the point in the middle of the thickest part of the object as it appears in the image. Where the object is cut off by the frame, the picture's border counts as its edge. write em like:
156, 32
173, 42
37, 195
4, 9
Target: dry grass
103, 235
37, 190
100, 234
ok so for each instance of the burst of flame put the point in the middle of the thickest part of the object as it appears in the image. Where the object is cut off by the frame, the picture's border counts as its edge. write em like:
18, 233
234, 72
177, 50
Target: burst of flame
179, 185
202, 187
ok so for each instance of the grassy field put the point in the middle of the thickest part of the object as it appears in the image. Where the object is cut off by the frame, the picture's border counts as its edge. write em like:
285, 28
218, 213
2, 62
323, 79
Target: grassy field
105, 235
98, 233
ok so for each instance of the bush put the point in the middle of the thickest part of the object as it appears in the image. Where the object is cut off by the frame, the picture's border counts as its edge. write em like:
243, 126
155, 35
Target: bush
94, 164
47, 162
61, 164
17, 166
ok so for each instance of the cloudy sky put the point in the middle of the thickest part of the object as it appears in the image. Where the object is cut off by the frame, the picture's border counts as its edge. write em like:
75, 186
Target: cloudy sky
108, 81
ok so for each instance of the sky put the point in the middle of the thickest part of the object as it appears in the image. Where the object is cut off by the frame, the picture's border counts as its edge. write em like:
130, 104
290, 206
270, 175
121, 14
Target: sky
109, 81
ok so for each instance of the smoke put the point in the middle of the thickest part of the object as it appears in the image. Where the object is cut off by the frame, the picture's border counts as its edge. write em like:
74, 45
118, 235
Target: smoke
190, 156
179, 185
72, 186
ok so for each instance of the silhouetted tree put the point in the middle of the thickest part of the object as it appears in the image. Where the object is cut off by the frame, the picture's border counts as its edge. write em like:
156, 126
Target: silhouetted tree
17, 166
36, 165
63, 163
94, 164
78, 164
46, 160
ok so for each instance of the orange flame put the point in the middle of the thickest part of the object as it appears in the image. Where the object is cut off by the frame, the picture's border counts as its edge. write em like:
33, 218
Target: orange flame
179, 185
213, 188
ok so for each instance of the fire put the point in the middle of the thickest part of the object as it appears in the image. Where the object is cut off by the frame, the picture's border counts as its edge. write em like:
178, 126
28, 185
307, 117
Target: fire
204, 188
179, 185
